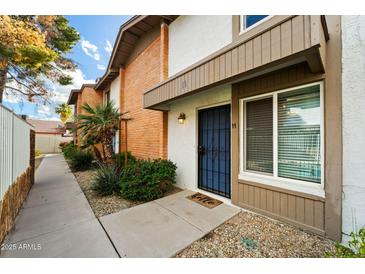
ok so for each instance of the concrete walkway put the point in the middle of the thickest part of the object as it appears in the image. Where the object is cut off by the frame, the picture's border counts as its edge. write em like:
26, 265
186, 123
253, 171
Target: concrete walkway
56, 219
163, 227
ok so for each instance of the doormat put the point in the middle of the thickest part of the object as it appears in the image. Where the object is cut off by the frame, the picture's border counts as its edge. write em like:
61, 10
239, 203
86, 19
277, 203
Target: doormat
204, 200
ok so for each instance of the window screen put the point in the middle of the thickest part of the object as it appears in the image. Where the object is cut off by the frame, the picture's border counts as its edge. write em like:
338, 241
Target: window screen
259, 135
299, 136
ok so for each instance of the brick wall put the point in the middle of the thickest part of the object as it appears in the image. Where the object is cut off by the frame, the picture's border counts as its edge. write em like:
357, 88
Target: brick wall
90, 96
147, 129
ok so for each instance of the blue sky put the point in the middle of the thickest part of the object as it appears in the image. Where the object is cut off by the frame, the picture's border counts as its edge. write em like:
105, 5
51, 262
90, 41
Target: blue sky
92, 53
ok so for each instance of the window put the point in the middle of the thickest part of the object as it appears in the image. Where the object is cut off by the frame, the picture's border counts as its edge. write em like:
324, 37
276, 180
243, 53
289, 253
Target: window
249, 21
282, 135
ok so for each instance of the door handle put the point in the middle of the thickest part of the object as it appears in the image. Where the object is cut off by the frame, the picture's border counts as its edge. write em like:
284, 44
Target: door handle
201, 150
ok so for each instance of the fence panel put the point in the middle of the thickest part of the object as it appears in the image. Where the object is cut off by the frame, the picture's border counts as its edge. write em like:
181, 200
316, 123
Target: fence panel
14, 148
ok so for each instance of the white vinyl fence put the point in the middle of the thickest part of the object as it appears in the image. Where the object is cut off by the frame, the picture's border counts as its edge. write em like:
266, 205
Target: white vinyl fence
14, 148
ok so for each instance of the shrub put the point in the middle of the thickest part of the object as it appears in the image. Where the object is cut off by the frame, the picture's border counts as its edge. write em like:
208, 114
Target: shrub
119, 159
106, 180
144, 180
355, 249
37, 153
62, 145
69, 150
81, 160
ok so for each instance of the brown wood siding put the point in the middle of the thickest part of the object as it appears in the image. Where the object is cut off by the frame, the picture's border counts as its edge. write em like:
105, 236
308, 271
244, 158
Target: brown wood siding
305, 212
300, 209
294, 35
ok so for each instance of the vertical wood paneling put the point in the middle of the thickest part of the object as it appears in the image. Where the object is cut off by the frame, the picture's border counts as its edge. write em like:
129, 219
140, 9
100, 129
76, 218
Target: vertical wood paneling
276, 202
275, 36
309, 212
257, 52
291, 207
286, 38
293, 35
269, 201
257, 197
284, 204
211, 72
251, 195
197, 77
222, 67
216, 69
193, 79
206, 74
245, 194
298, 33
228, 64
266, 47
249, 55
299, 210
234, 61
242, 58
263, 199
307, 32
318, 214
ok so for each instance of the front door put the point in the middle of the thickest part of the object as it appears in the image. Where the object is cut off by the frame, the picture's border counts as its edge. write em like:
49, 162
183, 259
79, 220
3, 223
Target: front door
214, 150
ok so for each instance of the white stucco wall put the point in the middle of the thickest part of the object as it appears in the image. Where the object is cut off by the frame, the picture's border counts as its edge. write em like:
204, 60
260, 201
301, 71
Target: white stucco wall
115, 98
49, 143
182, 138
191, 38
353, 110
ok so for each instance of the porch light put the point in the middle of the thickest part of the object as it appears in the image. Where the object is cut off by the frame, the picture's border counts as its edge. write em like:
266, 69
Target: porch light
181, 118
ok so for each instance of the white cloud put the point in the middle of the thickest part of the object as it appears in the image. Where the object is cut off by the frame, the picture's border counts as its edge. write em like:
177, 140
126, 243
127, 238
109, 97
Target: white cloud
59, 94
108, 48
100, 66
90, 49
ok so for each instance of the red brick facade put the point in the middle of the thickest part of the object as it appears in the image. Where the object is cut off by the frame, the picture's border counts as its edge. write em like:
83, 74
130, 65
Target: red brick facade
87, 95
147, 129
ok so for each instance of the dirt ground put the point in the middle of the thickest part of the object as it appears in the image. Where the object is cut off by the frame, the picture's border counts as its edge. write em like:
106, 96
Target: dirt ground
248, 235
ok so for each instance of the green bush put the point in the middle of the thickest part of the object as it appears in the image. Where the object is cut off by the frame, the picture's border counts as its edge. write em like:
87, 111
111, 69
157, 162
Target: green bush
106, 180
355, 248
119, 159
81, 160
146, 180
69, 150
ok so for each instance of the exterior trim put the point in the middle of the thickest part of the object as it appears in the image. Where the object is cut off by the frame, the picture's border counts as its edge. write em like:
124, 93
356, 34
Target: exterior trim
298, 39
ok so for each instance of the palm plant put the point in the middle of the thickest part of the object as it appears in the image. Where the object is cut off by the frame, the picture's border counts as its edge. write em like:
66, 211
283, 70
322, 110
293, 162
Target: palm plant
100, 125
65, 111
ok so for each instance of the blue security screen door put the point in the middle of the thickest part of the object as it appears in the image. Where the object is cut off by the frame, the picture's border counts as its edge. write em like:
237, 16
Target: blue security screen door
214, 150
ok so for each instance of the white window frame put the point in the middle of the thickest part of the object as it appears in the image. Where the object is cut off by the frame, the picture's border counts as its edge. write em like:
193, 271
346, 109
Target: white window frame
273, 180
243, 28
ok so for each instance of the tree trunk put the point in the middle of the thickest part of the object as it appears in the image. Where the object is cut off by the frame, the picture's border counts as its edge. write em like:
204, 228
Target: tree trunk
3, 77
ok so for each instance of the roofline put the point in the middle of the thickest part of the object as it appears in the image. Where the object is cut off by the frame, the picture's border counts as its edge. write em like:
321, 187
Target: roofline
78, 91
117, 41
131, 22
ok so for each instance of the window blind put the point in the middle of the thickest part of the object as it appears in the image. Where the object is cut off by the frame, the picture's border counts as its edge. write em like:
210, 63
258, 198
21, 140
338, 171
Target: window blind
259, 135
299, 136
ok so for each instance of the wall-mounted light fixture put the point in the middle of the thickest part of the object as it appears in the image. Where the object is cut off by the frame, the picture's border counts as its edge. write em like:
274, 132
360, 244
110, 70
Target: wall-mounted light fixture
181, 118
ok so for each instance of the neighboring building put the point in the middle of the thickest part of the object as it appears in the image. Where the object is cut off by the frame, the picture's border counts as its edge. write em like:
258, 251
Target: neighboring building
138, 62
78, 97
49, 135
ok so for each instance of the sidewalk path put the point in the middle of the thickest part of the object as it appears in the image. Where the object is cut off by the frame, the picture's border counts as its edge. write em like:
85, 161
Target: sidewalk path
56, 219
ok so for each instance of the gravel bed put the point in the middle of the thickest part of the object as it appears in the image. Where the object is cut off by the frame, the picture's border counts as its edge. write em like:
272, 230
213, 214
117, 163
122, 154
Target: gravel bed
104, 205
255, 236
